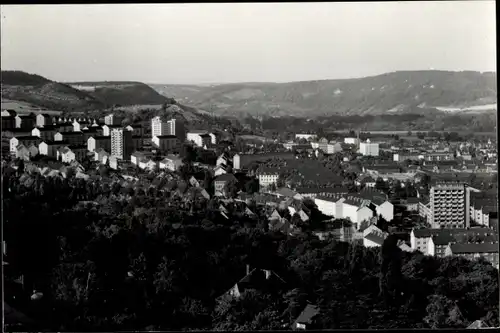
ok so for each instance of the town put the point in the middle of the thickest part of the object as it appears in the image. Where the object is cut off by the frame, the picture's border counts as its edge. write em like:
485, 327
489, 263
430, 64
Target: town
249, 167
435, 196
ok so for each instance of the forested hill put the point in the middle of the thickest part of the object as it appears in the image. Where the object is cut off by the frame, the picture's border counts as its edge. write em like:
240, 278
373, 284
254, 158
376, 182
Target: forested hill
397, 92
121, 92
40, 91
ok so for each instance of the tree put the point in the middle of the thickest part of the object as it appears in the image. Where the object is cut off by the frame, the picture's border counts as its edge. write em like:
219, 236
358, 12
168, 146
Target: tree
252, 186
231, 188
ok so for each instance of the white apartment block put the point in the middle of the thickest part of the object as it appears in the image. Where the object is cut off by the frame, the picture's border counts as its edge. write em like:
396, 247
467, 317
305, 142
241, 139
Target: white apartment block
199, 139
369, 149
306, 136
450, 205
121, 143
159, 127
267, 177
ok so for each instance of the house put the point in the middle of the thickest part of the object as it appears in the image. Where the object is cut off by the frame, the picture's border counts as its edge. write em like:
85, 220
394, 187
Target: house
73, 138
374, 238
147, 164
138, 156
101, 156
22, 152
366, 181
437, 244
224, 159
221, 181
220, 169
304, 136
64, 127
49, 148
8, 122
171, 162
24, 140
78, 126
267, 176
165, 142
70, 153
45, 133
91, 132
97, 142
32, 148
43, 119
471, 251
241, 161
306, 318
260, 279
26, 122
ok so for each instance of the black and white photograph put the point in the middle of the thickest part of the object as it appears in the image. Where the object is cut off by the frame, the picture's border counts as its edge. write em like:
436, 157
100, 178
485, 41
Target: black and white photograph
249, 166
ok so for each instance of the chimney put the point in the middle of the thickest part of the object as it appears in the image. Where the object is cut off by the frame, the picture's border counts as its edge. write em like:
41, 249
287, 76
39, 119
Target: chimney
248, 269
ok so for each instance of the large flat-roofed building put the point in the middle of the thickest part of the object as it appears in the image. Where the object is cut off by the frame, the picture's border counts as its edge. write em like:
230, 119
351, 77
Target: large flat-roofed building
450, 205
368, 148
121, 143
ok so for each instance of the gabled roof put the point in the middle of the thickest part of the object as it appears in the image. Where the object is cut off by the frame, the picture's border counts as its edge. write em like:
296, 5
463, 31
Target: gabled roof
474, 248
225, 178
375, 237
478, 324
308, 314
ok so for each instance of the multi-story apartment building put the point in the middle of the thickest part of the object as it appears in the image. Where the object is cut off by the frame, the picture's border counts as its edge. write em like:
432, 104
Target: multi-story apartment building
450, 205
45, 133
369, 149
121, 143
112, 119
267, 176
73, 138
471, 251
200, 139
25, 121
165, 142
176, 127
159, 127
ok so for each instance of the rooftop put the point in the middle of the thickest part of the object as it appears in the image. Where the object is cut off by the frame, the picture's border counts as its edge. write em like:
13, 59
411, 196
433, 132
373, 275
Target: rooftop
474, 248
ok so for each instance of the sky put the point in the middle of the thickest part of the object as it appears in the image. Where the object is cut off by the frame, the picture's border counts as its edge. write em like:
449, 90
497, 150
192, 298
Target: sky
246, 42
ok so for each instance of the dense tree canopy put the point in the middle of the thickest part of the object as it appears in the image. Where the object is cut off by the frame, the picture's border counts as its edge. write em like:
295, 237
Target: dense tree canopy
109, 256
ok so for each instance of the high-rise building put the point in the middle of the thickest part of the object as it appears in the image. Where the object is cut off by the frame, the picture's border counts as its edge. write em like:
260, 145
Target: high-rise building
121, 143
450, 205
159, 127
368, 149
176, 127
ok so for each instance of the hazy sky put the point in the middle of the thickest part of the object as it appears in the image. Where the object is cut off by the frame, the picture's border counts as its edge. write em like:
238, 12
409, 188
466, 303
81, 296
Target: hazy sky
201, 43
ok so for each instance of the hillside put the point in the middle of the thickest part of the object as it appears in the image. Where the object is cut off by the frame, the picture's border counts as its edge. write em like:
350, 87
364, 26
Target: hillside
121, 93
44, 93
398, 92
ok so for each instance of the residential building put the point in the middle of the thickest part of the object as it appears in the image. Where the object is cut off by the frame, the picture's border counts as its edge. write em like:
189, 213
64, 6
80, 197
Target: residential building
137, 142
353, 208
165, 143
221, 181
43, 119
64, 127
176, 128
304, 136
220, 169
438, 156
32, 148
267, 176
112, 119
148, 164
96, 142
26, 122
437, 244
171, 162
78, 126
199, 139
107, 129
101, 156
24, 140
333, 148
73, 138
8, 122
471, 251
401, 157
22, 152
121, 143
351, 141
450, 205
159, 127
68, 154
306, 318
368, 148
374, 238
138, 156
45, 133
49, 148
424, 210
